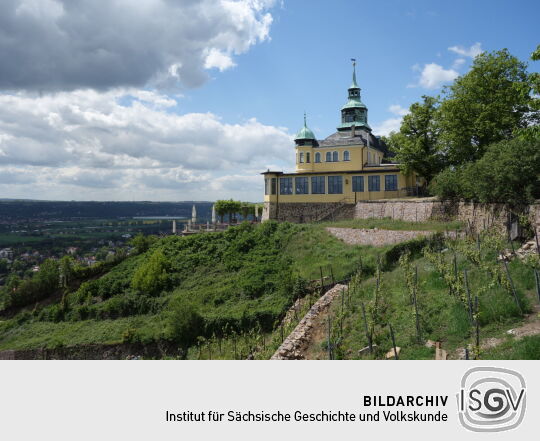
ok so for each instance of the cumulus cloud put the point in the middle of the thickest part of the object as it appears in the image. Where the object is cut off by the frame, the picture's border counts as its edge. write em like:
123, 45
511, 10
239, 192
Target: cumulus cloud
434, 76
123, 140
391, 124
471, 52
90, 103
387, 126
51, 45
396, 109
458, 63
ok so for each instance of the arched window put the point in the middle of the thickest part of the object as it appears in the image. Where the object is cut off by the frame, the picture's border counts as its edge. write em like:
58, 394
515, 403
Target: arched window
328, 156
307, 157
301, 157
335, 157
317, 157
346, 155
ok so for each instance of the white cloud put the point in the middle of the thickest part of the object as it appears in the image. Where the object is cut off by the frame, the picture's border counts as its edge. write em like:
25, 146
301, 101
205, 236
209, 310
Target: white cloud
387, 126
396, 109
458, 63
391, 124
471, 52
129, 144
219, 60
54, 45
434, 75
107, 124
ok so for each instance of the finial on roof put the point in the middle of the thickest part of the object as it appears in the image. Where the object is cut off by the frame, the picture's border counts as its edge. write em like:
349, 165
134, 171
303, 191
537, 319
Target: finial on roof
354, 85
305, 124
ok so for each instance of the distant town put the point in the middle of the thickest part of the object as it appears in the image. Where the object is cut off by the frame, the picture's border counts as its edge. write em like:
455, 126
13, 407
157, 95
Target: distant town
88, 232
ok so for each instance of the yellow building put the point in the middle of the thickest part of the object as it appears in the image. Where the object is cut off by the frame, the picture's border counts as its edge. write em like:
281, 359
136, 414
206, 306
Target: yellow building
333, 174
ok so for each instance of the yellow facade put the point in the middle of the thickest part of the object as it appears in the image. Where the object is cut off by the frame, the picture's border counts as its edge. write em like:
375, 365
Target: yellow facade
358, 157
274, 188
346, 167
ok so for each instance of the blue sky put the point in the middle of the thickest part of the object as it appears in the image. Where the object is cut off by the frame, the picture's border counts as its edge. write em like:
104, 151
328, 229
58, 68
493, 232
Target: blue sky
306, 64
191, 100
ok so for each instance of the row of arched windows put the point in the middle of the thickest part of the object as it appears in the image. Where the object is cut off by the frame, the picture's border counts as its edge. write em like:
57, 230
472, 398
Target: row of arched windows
333, 156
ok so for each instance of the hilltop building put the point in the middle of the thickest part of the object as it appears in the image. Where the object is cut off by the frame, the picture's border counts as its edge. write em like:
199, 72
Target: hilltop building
333, 174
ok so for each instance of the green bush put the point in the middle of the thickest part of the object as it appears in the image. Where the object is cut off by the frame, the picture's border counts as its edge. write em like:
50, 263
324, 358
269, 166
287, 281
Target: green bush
183, 322
507, 173
151, 276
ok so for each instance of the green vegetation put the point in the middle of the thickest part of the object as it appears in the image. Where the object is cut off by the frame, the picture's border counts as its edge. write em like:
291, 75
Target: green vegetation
232, 208
480, 140
527, 348
237, 279
224, 295
432, 296
503, 174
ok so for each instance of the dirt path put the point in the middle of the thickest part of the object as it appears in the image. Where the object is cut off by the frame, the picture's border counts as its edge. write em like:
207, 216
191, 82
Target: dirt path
374, 237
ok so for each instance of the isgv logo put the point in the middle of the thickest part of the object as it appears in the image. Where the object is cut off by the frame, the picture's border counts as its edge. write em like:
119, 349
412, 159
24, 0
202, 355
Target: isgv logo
491, 399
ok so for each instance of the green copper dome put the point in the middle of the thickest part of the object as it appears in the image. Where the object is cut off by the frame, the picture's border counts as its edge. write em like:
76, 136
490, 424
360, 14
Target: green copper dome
354, 112
305, 132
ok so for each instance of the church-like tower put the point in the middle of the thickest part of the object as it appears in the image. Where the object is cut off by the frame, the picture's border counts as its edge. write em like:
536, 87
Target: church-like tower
335, 173
305, 136
354, 113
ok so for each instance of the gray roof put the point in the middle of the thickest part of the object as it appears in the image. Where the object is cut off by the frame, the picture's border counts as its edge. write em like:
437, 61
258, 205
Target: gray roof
360, 138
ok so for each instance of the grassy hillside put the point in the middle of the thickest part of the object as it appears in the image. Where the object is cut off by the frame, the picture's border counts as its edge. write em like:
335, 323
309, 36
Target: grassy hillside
442, 278
185, 288
224, 294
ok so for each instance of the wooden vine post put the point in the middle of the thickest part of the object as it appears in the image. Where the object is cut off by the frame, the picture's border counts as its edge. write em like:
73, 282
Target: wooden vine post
393, 341
512, 286
368, 336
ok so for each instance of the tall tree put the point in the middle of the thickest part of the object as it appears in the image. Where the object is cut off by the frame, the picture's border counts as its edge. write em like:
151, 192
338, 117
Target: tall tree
416, 144
486, 105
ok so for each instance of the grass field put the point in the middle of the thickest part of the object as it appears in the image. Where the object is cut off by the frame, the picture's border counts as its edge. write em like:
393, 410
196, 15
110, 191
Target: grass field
223, 276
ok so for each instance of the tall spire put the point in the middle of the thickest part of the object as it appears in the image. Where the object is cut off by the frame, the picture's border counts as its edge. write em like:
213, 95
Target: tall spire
355, 111
354, 85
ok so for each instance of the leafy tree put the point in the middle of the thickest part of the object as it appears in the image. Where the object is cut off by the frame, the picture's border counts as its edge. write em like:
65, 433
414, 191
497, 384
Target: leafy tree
67, 267
229, 207
486, 105
246, 208
3, 266
416, 144
142, 242
507, 173
48, 276
221, 209
151, 277
183, 322
533, 131
235, 207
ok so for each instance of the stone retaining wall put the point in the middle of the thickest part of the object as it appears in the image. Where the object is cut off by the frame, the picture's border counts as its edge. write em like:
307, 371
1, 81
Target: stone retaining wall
477, 216
307, 212
292, 346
